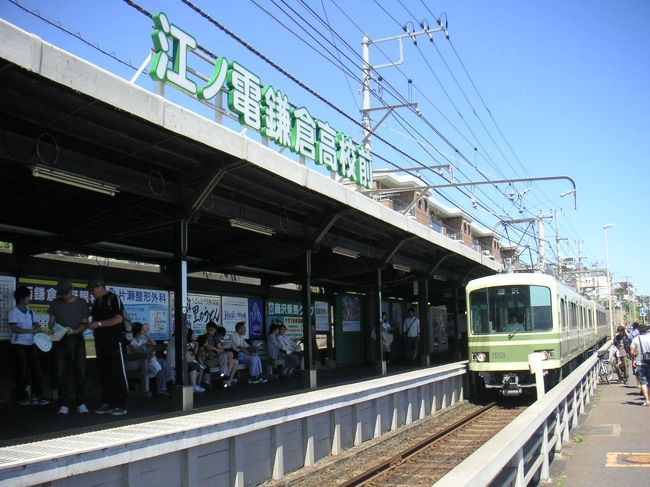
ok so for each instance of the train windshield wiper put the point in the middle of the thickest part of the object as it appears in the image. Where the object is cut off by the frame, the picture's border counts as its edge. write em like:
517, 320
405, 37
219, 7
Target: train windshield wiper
512, 334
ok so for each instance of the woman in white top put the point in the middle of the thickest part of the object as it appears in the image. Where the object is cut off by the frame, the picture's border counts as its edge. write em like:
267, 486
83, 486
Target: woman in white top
294, 357
26, 361
156, 367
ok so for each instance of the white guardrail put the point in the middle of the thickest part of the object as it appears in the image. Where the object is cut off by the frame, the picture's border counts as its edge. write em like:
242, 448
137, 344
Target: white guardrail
523, 450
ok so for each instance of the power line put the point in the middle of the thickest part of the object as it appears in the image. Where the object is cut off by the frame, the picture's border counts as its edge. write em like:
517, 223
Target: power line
76, 35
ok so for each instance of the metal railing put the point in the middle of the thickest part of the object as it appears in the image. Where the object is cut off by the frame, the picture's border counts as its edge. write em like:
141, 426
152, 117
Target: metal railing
523, 450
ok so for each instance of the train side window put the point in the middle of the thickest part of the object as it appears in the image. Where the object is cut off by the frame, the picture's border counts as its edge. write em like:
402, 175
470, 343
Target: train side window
479, 312
562, 314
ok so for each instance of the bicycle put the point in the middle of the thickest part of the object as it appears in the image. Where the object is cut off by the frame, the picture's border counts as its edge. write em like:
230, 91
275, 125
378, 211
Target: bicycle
605, 368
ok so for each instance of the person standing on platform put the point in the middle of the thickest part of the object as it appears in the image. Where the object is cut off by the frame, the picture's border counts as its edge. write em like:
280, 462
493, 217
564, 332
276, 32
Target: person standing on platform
641, 347
622, 348
26, 362
411, 332
632, 334
69, 311
107, 324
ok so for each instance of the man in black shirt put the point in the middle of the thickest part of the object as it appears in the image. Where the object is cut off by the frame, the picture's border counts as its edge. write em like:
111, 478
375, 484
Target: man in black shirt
107, 325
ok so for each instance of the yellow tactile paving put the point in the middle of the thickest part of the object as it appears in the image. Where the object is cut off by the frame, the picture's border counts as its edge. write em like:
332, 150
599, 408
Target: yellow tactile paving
627, 459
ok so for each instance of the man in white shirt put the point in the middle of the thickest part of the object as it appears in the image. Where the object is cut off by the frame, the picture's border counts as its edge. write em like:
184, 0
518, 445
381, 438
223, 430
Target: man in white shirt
640, 346
246, 354
411, 332
515, 323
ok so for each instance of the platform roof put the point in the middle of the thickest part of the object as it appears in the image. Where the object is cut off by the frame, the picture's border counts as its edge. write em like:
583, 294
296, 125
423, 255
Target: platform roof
169, 164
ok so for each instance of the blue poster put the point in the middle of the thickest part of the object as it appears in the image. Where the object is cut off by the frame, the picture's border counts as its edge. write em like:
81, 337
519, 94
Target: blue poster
255, 319
149, 306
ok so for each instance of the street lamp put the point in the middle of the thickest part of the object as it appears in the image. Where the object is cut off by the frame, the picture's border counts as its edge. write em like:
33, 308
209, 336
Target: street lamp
609, 282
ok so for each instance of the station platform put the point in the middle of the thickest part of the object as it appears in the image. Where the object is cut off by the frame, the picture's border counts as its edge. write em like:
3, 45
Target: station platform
26, 424
611, 445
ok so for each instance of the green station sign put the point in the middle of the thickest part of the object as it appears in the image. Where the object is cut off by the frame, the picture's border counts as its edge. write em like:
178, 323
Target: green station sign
259, 107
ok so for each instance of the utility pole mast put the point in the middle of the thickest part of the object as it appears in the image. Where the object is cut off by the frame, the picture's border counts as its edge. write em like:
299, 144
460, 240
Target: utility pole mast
368, 68
557, 244
542, 241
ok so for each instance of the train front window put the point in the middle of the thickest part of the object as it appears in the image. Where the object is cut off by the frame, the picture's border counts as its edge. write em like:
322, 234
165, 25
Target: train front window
511, 309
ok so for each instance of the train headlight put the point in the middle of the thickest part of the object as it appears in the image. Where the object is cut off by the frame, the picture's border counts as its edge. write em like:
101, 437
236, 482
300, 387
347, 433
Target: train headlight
480, 357
546, 354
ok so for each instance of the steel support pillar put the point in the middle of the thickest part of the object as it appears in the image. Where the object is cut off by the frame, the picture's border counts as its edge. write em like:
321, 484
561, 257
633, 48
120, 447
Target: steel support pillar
380, 355
425, 330
182, 391
309, 377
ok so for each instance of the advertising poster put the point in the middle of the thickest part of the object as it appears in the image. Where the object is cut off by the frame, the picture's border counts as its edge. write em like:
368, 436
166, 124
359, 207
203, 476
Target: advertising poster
322, 316
149, 306
351, 314
350, 342
201, 309
289, 313
7, 288
256, 319
234, 309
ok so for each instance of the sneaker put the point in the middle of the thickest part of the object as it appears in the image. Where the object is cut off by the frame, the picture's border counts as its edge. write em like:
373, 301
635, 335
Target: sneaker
82, 409
199, 389
25, 402
37, 401
63, 410
263, 380
104, 409
227, 384
163, 393
254, 380
118, 412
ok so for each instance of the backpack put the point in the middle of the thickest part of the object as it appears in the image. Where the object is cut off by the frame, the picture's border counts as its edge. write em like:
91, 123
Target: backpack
127, 324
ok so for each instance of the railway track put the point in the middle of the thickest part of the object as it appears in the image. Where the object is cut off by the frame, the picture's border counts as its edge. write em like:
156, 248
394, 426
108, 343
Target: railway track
430, 459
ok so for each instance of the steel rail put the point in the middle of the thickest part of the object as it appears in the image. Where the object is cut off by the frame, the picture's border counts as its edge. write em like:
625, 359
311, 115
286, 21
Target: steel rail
378, 469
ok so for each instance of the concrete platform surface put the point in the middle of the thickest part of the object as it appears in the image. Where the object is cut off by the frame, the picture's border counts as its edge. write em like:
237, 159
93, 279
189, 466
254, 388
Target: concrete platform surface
611, 445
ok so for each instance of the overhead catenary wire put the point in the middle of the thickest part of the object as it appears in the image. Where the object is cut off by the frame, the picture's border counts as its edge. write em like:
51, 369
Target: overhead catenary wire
112, 55
186, 2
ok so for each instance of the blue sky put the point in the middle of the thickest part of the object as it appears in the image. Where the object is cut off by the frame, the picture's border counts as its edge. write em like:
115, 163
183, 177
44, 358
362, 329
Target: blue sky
566, 82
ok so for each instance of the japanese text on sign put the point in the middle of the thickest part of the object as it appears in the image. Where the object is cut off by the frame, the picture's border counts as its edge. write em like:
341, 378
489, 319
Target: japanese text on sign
259, 107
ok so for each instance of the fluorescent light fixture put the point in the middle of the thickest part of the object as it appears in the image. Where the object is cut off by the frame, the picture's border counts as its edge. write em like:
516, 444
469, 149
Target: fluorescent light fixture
403, 268
345, 252
75, 180
251, 227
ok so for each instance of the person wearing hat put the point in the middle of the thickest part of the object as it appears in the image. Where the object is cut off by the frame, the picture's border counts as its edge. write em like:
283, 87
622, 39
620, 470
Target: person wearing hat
106, 323
26, 362
71, 312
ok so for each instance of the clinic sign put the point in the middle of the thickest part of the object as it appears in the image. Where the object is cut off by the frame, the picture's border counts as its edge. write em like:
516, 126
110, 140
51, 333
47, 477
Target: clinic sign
258, 107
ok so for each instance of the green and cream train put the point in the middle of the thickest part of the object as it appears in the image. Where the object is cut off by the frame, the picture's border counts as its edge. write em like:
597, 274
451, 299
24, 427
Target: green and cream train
510, 316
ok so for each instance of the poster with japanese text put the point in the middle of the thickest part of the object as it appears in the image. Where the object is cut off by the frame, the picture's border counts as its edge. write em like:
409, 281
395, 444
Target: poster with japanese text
201, 309
7, 288
233, 310
289, 313
322, 316
351, 313
149, 306
255, 319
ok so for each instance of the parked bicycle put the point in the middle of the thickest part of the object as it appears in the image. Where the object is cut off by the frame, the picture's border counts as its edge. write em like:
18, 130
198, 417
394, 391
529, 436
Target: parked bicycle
605, 368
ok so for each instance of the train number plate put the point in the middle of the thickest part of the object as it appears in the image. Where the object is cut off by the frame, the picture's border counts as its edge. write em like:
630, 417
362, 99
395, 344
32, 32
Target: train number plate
499, 354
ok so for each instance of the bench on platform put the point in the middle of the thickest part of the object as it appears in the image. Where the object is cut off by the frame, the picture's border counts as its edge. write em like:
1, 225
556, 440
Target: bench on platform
268, 364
